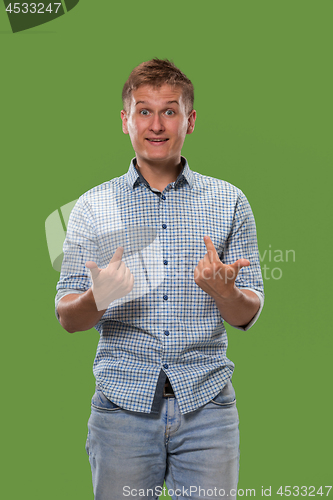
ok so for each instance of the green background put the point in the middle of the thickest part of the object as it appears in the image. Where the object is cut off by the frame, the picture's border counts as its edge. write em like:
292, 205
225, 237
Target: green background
262, 72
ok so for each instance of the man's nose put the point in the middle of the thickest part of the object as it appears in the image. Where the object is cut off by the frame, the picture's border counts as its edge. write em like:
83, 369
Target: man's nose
157, 124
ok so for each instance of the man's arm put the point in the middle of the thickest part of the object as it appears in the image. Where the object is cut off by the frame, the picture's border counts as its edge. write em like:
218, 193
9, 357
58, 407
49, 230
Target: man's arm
239, 309
77, 312
237, 306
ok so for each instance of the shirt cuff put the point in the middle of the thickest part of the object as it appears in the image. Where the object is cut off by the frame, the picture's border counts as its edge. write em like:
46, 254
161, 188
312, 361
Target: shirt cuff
60, 295
254, 319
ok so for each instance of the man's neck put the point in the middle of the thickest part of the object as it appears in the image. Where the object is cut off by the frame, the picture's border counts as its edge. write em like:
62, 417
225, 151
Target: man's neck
157, 175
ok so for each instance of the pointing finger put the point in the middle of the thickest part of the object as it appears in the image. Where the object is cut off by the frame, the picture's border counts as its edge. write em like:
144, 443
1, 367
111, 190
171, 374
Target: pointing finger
211, 250
117, 255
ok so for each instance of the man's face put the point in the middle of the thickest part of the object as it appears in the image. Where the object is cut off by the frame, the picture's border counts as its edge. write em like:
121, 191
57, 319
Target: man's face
157, 124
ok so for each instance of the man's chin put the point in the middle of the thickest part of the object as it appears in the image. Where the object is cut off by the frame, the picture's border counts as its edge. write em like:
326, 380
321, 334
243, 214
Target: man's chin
158, 160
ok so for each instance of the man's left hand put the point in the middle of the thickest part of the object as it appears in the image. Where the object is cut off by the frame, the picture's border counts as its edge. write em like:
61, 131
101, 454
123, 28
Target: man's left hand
214, 277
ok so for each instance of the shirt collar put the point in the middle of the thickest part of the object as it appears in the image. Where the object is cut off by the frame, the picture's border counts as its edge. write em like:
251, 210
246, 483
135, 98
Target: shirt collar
134, 177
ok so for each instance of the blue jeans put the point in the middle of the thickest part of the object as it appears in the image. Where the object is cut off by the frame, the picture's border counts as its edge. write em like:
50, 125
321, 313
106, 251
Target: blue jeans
197, 454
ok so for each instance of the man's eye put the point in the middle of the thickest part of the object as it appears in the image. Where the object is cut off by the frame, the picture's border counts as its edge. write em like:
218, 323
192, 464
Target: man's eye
144, 112
169, 112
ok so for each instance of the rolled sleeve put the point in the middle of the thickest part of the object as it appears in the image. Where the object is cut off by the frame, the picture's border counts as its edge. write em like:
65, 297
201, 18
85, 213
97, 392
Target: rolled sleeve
61, 293
256, 316
242, 244
80, 245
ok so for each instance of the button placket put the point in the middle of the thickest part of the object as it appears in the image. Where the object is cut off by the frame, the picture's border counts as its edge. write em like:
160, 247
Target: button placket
164, 234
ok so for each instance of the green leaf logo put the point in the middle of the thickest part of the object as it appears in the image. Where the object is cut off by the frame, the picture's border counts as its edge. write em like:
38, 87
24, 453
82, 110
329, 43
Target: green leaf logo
26, 15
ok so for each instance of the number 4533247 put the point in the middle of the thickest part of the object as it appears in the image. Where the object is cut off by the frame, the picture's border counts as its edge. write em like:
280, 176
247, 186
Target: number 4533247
303, 491
32, 8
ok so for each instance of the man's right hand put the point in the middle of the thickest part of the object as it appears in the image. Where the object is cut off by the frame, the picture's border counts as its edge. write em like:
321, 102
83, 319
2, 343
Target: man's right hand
111, 283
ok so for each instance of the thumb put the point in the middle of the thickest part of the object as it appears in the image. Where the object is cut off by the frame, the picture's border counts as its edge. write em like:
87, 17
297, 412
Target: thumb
240, 263
236, 267
93, 268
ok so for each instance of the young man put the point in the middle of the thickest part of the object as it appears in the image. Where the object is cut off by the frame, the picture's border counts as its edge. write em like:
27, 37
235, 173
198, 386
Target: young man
156, 260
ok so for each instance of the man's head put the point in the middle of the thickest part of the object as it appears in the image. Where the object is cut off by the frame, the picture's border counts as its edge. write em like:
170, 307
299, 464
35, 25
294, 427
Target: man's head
158, 113
156, 73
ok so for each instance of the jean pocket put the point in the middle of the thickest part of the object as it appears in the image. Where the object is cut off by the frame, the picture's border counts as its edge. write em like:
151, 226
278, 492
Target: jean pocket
226, 397
100, 402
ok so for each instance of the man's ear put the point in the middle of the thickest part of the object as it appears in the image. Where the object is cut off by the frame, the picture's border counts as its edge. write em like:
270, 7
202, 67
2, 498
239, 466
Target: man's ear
191, 121
124, 119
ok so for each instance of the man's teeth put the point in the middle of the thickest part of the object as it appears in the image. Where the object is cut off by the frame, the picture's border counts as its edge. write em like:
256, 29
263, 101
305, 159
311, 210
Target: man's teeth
158, 140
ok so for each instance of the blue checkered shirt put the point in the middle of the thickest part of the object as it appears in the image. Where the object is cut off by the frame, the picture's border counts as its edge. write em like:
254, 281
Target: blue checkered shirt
167, 326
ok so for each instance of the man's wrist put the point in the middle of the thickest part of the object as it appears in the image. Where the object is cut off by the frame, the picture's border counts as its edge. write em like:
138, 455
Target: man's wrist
239, 308
229, 295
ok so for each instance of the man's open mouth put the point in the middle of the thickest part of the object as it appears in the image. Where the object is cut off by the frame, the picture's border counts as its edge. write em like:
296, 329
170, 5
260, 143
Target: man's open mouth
157, 140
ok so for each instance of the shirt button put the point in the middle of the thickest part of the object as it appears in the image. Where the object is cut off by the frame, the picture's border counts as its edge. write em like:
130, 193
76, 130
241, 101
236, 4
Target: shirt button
164, 226
163, 197
165, 262
166, 332
165, 297
166, 366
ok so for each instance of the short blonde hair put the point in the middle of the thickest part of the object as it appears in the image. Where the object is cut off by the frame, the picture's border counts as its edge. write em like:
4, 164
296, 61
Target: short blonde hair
156, 73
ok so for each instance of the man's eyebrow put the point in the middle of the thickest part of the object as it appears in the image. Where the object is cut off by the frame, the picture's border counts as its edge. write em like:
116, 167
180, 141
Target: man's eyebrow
145, 102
